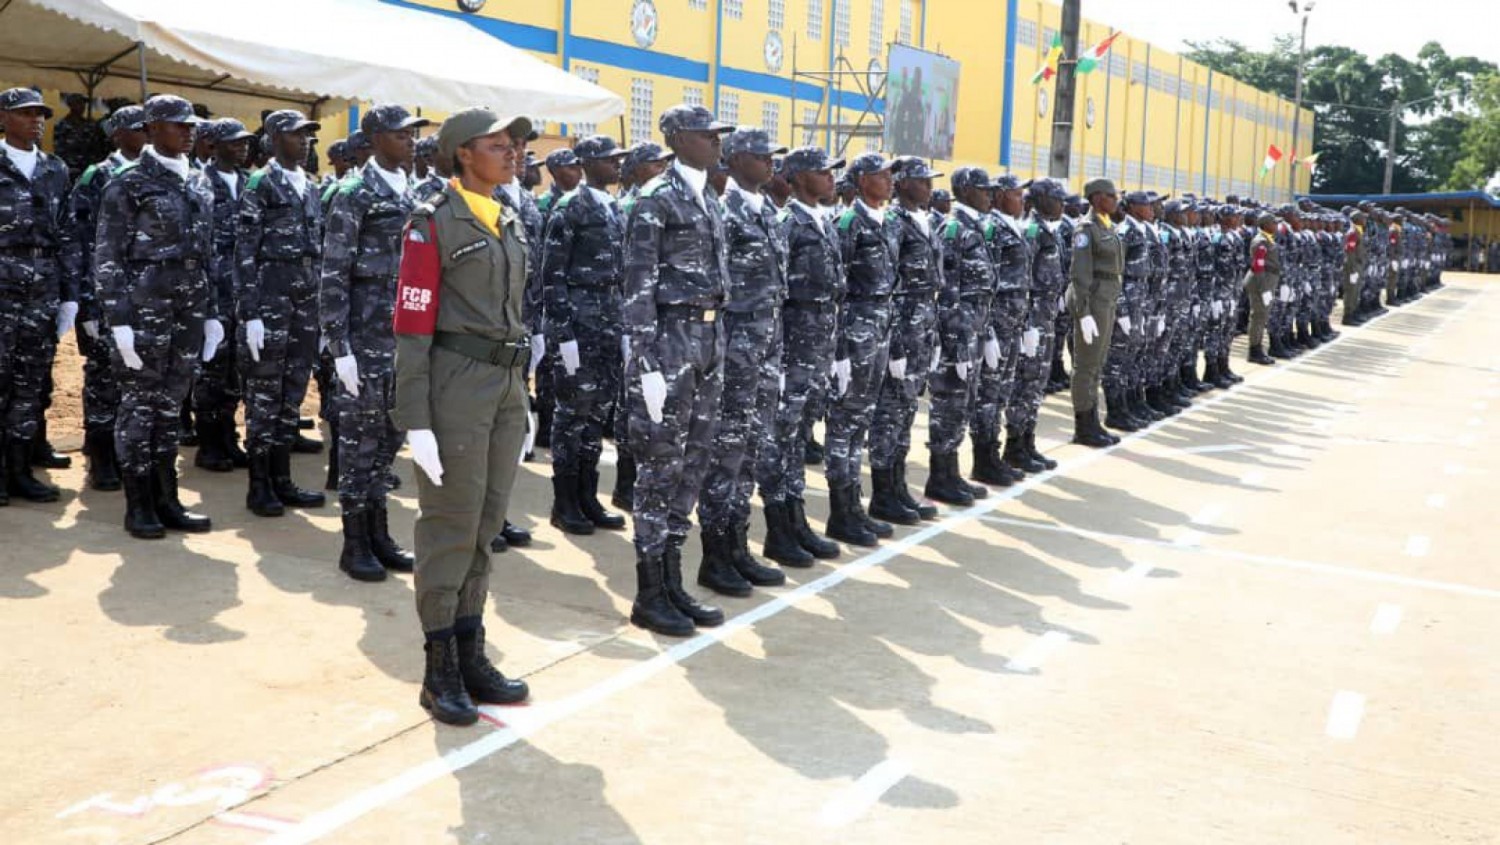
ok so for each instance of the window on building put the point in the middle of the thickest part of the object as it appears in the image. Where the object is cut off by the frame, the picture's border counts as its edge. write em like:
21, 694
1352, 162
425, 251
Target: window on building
770, 120
734, 9
700, 5
815, 20
872, 144
1048, 33
692, 95
587, 74
642, 110
877, 27
842, 21
1137, 72
776, 16
1020, 153
908, 23
1026, 33
1117, 65
729, 108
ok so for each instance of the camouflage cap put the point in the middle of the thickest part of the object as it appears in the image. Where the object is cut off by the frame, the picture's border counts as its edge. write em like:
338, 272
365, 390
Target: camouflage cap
1006, 182
227, 130
562, 158
864, 165
1137, 198
969, 177
358, 141
912, 167
390, 118
752, 140
1099, 186
464, 126
1046, 188
597, 147
125, 117
1265, 219
808, 160
339, 151
1176, 207
941, 195
644, 152
685, 118
425, 146
167, 108
14, 99
289, 120
1286, 209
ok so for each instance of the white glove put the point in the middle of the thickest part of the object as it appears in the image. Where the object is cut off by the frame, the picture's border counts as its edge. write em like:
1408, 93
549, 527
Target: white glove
1265, 298
654, 390
569, 352
1089, 327
1062, 303
424, 451
1161, 325
781, 384
91, 328
1197, 311
625, 348
538, 349
348, 373
897, 368
937, 358
1216, 308
213, 336
992, 353
1124, 323
125, 342
529, 440
842, 375
1286, 293
67, 312
1030, 340
962, 368
255, 338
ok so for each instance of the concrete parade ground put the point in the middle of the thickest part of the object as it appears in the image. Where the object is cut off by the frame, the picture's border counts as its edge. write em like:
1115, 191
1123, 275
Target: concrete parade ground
1270, 619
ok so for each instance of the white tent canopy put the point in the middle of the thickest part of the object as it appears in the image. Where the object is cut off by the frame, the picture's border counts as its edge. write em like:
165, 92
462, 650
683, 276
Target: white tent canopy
311, 52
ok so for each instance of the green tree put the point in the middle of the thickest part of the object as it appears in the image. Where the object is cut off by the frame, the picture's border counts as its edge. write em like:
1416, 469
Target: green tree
1479, 162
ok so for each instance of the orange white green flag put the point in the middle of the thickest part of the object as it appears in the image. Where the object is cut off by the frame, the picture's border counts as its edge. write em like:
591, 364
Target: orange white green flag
1091, 59
1273, 156
1049, 67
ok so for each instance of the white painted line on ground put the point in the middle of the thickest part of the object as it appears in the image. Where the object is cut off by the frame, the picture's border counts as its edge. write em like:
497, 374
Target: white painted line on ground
1418, 545
1208, 514
1437, 501
1387, 618
1288, 450
856, 799
1188, 539
1345, 714
359, 804
254, 822
1204, 552
1136, 573
1253, 478
1214, 450
1032, 656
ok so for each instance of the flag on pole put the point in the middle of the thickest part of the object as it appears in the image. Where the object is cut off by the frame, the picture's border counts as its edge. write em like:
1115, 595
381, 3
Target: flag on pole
1273, 156
1091, 59
1310, 162
1049, 66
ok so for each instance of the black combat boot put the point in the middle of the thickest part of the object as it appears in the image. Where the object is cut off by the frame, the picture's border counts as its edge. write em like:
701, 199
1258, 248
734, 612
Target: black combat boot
1016, 455
781, 543
924, 510
812, 452
1141, 407
331, 480
482, 680
231, 433
211, 455
1227, 371
187, 430
1028, 442
1088, 432
443, 694
1058, 378
290, 494
877, 527
885, 503
588, 502
141, 521
845, 520
543, 439
514, 535
1329, 332
987, 468
624, 493
566, 514
702, 615
1117, 414
752, 570
103, 468
357, 560
168, 506
387, 550
19, 482
652, 609
944, 484
819, 547
304, 445
1178, 394
717, 572
1258, 356
4, 473
260, 498
43, 454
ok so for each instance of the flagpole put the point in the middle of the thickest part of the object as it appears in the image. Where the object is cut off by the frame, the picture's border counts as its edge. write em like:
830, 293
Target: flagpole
1305, 11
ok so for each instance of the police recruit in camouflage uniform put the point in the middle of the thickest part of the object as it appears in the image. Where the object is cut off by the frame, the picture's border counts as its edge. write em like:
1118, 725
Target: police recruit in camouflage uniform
460, 395
39, 273
151, 256
101, 392
676, 281
278, 240
1001, 347
361, 255
1127, 336
583, 261
567, 172
1045, 239
1094, 294
919, 276
1229, 267
751, 326
814, 289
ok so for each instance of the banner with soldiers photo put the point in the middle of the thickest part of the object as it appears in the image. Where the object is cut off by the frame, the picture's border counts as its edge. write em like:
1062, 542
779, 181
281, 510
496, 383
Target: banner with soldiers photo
921, 103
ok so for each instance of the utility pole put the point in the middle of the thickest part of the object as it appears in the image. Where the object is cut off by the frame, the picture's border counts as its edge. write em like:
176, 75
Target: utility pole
1067, 82
1305, 11
1390, 148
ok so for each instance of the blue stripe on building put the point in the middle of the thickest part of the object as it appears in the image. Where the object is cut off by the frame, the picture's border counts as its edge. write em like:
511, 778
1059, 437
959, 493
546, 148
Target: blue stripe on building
1007, 110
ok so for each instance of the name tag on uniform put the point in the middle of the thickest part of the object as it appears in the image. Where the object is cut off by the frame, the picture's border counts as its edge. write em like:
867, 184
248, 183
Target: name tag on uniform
466, 249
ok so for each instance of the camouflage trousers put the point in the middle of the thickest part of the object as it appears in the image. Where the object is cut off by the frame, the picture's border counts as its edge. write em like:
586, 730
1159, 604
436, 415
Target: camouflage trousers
171, 304
1062, 333
814, 412
1148, 354
914, 332
101, 392
368, 441
960, 337
1033, 371
1124, 346
28, 338
327, 380
747, 407
807, 351
1007, 320
216, 393
275, 385
672, 456
864, 339
585, 398
1279, 316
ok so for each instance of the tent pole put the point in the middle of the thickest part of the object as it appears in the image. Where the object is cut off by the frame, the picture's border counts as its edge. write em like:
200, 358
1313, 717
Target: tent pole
140, 49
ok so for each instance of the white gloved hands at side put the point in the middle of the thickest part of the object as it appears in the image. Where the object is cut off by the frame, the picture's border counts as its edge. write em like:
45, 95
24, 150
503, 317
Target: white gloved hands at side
1089, 328
1286, 293
842, 374
962, 368
1123, 322
1031, 340
125, 342
348, 373
91, 328
897, 368
538, 349
1354, 278
255, 338
992, 353
1265, 298
67, 313
213, 336
424, 451
625, 349
1161, 326
937, 359
654, 391
1216, 308
569, 353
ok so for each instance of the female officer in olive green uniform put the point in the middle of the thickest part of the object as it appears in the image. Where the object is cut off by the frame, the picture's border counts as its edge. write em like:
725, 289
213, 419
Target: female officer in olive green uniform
461, 351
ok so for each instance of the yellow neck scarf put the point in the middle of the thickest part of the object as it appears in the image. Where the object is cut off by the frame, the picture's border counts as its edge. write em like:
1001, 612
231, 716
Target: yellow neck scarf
483, 207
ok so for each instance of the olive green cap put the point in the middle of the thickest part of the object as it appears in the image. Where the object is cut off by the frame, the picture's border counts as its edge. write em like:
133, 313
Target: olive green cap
463, 127
1099, 186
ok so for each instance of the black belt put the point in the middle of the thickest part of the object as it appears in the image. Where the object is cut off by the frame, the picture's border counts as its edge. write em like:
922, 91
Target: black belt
757, 314
306, 261
497, 353
812, 305
691, 313
873, 300
189, 264
28, 251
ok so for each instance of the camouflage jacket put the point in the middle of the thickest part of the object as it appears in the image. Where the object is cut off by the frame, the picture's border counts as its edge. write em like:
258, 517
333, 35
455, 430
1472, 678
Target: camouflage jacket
361, 255
968, 265
36, 215
275, 225
84, 202
815, 268
757, 255
1181, 265
534, 223
1011, 256
1136, 243
78, 141
1205, 254
1046, 242
226, 210
428, 187
585, 249
868, 241
149, 215
919, 253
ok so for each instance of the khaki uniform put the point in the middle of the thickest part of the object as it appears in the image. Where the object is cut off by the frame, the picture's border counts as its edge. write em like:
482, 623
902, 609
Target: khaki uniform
461, 351
1263, 277
1096, 278
1356, 259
